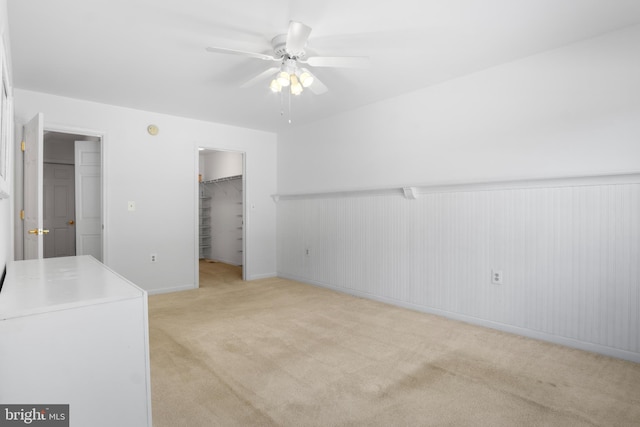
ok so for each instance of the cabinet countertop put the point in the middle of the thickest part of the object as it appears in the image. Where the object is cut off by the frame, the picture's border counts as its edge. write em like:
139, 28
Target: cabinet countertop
44, 285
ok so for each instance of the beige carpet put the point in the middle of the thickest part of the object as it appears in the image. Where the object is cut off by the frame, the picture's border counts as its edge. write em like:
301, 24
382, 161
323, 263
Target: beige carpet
280, 353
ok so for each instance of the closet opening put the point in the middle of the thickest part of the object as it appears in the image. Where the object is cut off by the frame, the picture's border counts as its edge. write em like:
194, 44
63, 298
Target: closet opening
221, 213
72, 195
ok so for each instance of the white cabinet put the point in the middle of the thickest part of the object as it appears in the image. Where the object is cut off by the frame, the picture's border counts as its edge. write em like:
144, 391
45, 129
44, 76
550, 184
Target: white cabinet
74, 332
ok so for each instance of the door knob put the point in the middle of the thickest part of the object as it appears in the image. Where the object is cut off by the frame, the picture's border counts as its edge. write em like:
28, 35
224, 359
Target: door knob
38, 231
71, 222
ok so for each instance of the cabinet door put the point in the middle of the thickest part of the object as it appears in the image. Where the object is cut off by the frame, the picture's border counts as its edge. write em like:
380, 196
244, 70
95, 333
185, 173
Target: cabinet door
94, 358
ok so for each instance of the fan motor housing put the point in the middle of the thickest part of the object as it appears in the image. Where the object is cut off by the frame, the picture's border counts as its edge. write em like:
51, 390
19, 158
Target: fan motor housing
279, 44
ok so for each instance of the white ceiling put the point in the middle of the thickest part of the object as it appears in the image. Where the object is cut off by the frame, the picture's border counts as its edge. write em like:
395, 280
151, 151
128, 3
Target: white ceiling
150, 54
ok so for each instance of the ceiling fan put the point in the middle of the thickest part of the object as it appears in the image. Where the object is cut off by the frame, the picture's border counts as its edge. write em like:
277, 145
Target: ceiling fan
289, 52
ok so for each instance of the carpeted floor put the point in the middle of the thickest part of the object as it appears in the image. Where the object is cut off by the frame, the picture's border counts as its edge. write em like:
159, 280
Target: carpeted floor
275, 352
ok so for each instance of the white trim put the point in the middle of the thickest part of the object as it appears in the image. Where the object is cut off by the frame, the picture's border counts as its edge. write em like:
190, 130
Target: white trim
245, 230
572, 181
262, 276
516, 184
245, 219
542, 336
173, 289
196, 220
61, 128
346, 193
8, 126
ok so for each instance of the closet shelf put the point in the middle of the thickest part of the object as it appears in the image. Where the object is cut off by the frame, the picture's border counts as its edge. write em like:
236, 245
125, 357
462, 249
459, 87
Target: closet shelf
204, 222
221, 219
227, 178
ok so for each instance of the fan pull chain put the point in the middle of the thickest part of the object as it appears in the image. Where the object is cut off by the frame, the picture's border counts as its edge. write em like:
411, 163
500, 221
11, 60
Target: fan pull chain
289, 107
281, 104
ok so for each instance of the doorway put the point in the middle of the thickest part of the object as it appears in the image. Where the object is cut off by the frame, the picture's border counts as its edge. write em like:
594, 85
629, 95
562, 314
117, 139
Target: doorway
221, 209
62, 205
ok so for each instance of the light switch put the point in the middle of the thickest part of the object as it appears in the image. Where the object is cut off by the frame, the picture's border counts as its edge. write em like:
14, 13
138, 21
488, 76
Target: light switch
132, 206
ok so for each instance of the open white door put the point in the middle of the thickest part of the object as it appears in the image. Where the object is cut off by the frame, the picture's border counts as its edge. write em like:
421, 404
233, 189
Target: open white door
33, 232
88, 199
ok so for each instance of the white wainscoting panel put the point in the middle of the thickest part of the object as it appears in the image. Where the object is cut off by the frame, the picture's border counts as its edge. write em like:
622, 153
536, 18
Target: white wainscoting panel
569, 255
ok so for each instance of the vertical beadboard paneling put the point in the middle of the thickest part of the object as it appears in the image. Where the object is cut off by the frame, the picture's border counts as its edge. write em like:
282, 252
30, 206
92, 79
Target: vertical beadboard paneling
570, 255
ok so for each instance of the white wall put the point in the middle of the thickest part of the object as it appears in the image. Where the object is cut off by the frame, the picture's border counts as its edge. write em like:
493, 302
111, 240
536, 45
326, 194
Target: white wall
571, 111
6, 205
570, 253
159, 173
220, 164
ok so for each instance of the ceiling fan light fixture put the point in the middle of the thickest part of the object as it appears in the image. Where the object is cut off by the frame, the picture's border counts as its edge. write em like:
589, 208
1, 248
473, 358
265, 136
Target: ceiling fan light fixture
296, 87
289, 58
306, 79
283, 78
275, 86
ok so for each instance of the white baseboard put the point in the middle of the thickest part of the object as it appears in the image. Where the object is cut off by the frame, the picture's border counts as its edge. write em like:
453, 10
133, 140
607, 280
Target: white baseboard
542, 336
261, 276
173, 289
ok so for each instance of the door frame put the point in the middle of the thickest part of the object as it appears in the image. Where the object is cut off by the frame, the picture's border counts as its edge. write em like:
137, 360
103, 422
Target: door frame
196, 199
52, 127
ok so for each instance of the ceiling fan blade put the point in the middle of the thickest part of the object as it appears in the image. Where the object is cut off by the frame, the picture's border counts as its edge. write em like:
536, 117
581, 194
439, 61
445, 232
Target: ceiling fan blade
297, 38
242, 53
262, 76
317, 86
338, 61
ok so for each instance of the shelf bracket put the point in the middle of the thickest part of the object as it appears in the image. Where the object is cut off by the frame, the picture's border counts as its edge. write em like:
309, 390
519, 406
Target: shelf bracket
410, 193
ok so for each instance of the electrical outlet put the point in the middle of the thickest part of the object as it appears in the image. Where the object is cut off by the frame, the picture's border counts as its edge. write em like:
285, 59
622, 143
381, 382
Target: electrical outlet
496, 277
307, 251
153, 257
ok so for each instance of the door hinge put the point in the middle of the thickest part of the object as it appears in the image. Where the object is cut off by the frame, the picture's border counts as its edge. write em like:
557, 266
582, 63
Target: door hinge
22, 214
22, 146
